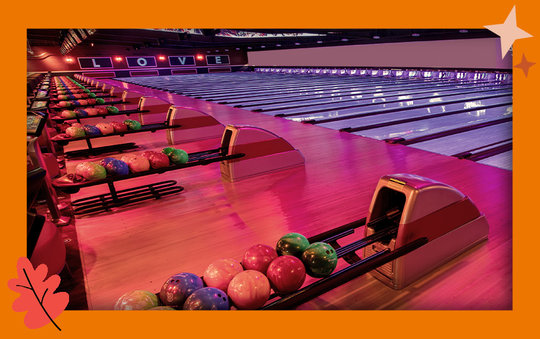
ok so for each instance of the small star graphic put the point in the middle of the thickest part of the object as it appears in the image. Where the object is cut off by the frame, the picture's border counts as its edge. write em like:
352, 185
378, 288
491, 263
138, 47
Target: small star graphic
508, 31
525, 65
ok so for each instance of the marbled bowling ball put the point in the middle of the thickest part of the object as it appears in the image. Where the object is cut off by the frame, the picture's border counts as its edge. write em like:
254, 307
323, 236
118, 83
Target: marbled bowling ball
105, 161
137, 300
68, 114
178, 288
220, 273
292, 244
156, 159
100, 101
91, 171
92, 130
91, 101
112, 109
75, 132
136, 163
133, 125
258, 257
83, 102
249, 290
119, 127
162, 308
64, 104
207, 298
286, 274
117, 167
105, 128
77, 96
320, 259
178, 156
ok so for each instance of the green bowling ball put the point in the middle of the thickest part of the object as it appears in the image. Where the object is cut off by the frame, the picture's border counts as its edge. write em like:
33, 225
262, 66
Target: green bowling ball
86, 90
179, 156
292, 244
167, 150
133, 125
100, 101
112, 109
320, 259
137, 300
92, 95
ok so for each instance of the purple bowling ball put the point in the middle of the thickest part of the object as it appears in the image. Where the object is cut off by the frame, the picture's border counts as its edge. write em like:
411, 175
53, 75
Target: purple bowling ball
178, 288
91, 130
117, 167
207, 298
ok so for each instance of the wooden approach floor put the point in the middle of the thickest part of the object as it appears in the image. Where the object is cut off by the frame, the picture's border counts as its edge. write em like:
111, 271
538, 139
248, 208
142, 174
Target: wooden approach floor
140, 246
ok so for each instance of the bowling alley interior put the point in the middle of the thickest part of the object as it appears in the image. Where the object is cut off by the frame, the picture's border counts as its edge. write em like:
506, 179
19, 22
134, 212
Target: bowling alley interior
271, 169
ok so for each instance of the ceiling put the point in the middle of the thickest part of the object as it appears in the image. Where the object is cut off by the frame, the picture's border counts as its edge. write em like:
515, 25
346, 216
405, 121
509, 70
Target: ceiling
144, 38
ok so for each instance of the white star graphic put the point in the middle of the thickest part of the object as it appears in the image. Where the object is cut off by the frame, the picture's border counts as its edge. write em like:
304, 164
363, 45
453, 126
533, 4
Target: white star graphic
508, 31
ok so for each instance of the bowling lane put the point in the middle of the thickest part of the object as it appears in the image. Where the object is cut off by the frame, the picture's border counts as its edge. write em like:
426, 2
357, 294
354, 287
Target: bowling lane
275, 101
454, 144
343, 111
501, 160
407, 113
421, 128
378, 96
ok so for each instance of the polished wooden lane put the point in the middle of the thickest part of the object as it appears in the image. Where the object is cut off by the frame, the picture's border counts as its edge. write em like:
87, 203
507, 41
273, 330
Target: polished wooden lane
138, 247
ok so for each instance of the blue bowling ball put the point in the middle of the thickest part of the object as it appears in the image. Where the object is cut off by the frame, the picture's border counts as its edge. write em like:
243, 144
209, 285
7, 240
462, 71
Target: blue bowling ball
91, 130
117, 167
81, 113
105, 161
178, 288
207, 298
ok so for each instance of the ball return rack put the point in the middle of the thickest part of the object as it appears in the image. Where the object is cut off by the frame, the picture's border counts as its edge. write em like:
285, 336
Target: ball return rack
414, 226
242, 147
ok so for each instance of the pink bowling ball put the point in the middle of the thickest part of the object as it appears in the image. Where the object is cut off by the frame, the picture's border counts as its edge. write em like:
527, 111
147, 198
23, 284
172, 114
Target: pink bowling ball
105, 128
136, 163
220, 272
249, 290
286, 274
258, 257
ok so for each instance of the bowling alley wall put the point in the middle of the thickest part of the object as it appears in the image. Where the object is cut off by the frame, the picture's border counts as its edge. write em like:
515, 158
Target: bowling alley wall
463, 53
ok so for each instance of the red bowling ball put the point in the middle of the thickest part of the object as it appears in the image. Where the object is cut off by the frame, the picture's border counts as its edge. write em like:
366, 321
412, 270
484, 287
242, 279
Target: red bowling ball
286, 274
249, 290
220, 272
258, 257
156, 159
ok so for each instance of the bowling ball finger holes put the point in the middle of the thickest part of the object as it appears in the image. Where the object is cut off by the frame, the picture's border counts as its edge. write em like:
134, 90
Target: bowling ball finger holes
328, 252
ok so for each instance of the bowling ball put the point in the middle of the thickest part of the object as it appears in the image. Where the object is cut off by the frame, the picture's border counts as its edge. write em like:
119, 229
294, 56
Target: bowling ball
92, 95
292, 244
137, 300
100, 101
167, 150
179, 156
91, 111
105, 161
77, 96
249, 290
136, 163
92, 130
76, 124
207, 298
105, 128
178, 288
320, 259
67, 114
102, 110
62, 97
71, 97
258, 257
91, 101
220, 272
112, 109
133, 125
119, 127
91, 171
117, 167
75, 132
81, 112
286, 274
162, 308
83, 102
86, 90
156, 159
64, 104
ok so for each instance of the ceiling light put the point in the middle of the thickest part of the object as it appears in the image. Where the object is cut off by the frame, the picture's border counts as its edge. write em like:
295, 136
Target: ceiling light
319, 42
376, 37
463, 31
416, 34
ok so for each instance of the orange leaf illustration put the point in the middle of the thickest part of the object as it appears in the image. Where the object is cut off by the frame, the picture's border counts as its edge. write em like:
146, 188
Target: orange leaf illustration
37, 294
